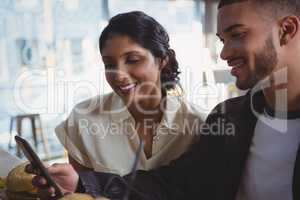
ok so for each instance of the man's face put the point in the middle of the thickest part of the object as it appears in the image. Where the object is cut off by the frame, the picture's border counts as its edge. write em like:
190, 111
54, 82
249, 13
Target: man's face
248, 43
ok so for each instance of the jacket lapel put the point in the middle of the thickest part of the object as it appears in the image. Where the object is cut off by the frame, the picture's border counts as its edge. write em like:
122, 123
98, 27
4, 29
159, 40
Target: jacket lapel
296, 178
237, 147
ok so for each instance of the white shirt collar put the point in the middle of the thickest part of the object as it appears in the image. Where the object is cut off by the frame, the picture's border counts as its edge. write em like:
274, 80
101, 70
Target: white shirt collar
120, 113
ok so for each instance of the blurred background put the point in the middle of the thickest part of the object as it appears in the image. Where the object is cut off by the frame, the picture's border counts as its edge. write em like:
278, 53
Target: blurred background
49, 60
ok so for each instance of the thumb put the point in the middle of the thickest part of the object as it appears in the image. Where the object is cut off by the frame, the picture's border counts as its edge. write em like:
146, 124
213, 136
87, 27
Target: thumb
57, 168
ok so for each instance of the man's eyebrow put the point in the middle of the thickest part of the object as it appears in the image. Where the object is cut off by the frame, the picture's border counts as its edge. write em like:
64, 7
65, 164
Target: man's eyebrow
230, 28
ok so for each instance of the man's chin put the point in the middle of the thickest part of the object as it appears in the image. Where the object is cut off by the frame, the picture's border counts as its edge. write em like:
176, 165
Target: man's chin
246, 83
243, 86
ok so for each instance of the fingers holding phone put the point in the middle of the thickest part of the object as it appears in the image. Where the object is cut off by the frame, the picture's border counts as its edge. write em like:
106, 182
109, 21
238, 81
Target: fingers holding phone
63, 174
30, 169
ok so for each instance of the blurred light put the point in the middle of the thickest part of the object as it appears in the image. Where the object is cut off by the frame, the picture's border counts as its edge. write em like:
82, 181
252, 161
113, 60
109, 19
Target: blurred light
25, 4
71, 5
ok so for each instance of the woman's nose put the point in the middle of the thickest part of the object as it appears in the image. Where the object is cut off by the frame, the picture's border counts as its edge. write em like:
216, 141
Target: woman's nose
120, 74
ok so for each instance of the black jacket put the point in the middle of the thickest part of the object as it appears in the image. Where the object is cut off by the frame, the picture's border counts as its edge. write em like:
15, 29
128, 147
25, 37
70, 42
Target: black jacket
212, 168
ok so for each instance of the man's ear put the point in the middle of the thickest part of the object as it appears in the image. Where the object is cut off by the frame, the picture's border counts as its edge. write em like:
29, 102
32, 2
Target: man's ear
289, 27
163, 62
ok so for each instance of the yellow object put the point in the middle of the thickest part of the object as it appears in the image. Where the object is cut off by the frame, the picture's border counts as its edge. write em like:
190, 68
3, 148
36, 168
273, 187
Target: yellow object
18, 180
77, 196
2, 183
33, 191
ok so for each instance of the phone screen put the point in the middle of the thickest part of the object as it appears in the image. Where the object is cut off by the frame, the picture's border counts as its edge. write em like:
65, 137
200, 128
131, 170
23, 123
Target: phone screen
37, 164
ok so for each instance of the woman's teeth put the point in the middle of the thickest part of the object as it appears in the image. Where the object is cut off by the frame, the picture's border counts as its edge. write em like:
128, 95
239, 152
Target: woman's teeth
128, 87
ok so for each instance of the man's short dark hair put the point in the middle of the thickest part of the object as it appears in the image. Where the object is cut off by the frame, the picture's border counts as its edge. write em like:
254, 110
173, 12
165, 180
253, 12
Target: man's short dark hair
277, 7
223, 3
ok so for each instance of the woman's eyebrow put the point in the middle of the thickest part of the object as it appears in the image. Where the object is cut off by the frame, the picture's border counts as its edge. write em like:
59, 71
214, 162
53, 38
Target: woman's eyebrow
122, 55
130, 52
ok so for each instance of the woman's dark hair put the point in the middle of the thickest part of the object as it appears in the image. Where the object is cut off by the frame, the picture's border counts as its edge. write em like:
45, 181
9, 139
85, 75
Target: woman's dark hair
148, 33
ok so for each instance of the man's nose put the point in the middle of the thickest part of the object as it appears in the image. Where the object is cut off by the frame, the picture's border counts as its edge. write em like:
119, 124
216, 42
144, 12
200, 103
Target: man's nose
227, 51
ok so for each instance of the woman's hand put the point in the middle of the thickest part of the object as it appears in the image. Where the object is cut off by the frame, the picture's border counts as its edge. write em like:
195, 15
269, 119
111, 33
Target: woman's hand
63, 175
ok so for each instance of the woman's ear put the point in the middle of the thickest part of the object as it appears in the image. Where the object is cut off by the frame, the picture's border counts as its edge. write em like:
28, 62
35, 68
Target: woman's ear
289, 27
163, 62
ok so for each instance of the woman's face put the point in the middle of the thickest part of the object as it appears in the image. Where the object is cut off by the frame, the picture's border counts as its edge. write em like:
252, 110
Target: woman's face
131, 70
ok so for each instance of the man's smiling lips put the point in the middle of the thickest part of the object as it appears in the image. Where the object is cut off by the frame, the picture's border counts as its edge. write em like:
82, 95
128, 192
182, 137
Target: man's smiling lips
236, 65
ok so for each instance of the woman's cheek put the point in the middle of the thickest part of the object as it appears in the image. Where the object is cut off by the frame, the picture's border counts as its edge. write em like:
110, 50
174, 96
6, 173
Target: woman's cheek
109, 78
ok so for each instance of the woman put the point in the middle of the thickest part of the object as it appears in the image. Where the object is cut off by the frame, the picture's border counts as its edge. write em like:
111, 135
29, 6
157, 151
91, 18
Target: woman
103, 133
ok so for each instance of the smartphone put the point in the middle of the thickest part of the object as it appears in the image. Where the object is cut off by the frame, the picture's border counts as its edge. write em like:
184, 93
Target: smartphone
37, 164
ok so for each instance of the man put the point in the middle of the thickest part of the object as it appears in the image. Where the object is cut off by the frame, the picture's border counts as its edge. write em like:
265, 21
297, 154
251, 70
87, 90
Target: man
261, 159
